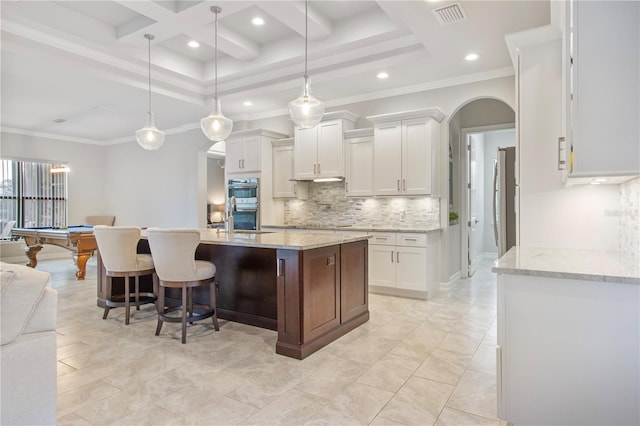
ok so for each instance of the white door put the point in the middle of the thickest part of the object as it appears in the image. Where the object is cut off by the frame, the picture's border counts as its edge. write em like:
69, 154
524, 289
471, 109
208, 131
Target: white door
306, 152
387, 158
474, 203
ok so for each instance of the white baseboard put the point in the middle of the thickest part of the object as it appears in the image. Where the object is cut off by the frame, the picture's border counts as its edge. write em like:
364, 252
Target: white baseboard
454, 277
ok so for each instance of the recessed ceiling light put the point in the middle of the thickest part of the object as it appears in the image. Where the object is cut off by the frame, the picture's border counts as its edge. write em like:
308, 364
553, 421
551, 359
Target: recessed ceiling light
257, 21
471, 57
382, 75
247, 103
59, 120
193, 44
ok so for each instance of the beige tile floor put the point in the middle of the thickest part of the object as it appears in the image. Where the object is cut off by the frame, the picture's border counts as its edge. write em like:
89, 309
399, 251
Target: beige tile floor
414, 363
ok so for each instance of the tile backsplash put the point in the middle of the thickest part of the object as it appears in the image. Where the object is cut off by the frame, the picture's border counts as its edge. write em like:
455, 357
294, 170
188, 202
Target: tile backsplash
630, 216
328, 206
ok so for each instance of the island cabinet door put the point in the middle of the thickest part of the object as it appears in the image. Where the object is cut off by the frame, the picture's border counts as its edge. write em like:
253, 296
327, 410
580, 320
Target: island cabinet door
353, 280
320, 291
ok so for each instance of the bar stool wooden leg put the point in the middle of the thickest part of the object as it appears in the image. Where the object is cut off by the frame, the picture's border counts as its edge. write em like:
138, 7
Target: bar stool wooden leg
127, 299
160, 308
184, 313
212, 301
137, 292
108, 292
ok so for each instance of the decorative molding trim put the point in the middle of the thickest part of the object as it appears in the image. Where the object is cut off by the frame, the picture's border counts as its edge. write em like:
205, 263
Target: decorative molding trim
282, 142
256, 132
358, 133
435, 113
52, 136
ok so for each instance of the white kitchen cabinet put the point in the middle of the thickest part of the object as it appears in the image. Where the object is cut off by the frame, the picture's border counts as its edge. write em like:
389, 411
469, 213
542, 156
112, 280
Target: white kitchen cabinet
243, 154
403, 264
602, 44
319, 151
358, 180
567, 350
405, 152
284, 171
254, 146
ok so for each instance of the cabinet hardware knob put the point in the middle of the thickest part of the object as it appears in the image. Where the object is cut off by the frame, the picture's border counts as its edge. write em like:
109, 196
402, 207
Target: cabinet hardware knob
404, 184
397, 257
391, 257
319, 168
398, 185
314, 169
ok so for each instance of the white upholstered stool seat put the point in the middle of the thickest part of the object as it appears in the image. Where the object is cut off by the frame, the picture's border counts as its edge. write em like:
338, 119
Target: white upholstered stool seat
118, 250
173, 252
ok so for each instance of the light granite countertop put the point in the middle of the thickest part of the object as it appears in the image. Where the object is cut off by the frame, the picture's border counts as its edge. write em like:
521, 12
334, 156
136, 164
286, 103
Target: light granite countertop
276, 240
357, 228
590, 265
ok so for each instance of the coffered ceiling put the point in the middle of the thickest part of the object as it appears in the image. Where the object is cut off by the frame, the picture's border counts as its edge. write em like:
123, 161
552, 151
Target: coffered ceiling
85, 62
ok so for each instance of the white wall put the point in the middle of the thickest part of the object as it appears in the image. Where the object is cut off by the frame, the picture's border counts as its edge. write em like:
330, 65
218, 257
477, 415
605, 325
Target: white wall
166, 188
551, 215
85, 181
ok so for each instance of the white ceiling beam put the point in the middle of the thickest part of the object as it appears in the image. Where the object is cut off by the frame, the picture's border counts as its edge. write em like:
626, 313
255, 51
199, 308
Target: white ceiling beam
292, 15
195, 21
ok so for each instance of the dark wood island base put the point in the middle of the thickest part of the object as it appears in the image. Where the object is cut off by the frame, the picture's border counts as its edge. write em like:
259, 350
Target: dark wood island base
310, 296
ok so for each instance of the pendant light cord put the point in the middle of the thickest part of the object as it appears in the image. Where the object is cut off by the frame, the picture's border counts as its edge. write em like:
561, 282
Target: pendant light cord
149, 38
216, 54
306, 38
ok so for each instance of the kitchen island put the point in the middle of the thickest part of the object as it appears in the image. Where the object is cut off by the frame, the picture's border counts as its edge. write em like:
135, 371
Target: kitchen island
311, 288
568, 337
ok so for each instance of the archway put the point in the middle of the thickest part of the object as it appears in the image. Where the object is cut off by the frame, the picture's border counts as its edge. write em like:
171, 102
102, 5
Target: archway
477, 122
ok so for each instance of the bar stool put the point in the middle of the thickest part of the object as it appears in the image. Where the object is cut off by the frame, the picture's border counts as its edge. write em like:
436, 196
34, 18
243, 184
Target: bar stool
118, 251
173, 252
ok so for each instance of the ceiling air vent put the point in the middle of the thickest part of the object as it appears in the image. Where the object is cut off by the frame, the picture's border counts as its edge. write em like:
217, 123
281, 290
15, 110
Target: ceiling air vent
450, 13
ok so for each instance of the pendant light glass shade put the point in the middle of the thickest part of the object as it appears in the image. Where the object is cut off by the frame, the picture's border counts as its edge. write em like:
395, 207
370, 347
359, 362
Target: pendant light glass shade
149, 137
306, 111
216, 127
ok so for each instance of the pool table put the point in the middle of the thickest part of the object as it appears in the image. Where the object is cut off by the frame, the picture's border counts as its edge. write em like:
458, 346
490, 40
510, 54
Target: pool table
78, 239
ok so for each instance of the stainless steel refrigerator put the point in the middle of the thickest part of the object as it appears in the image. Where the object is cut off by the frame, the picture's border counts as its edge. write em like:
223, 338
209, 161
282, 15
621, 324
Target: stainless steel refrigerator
504, 192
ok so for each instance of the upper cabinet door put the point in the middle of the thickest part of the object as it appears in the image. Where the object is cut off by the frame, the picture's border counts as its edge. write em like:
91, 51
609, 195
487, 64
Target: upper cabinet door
359, 167
251, 154
243, 155
604, 131
330, 149
416, 156
387, 158
306, 152
233, 162
283, 172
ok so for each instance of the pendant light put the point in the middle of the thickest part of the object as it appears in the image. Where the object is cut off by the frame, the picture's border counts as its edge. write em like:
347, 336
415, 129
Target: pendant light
216, 126
149, 137
306, 111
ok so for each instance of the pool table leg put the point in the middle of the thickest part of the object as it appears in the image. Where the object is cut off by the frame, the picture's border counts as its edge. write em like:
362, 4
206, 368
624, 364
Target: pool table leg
32, 252
80, 260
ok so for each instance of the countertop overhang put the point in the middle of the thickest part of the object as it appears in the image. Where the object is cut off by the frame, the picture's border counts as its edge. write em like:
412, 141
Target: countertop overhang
275, 240
589, 265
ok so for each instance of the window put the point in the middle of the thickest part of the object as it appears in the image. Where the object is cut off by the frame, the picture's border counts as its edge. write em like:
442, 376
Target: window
32, 195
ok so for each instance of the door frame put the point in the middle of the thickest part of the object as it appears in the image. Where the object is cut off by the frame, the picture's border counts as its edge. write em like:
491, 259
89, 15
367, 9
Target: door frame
464, 191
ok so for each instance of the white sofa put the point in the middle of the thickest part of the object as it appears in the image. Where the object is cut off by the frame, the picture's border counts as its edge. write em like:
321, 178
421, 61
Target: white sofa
28, 347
